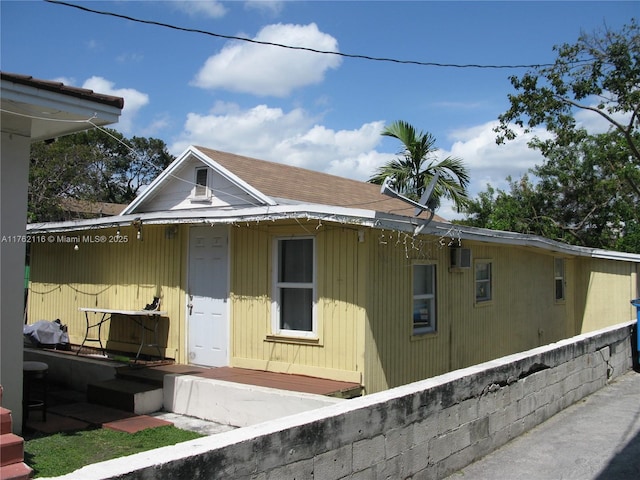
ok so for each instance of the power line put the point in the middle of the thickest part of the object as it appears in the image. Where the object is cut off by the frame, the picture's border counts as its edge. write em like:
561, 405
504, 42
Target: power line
291, 47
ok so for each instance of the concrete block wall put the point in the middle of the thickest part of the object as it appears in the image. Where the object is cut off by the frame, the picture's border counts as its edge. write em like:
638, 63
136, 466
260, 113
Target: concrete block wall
428, 429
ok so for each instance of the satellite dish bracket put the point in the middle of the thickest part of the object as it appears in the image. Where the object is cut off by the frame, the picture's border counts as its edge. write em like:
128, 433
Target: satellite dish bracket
421, 206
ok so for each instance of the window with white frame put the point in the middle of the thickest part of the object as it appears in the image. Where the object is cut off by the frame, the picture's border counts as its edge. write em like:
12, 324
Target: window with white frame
424, 298
483, 281
294, 294
559, 278
201, 187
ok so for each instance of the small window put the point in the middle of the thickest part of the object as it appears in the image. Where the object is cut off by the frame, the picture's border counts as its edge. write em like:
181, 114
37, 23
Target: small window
294, 287
483, 281
559, 278
201, 182
424, 299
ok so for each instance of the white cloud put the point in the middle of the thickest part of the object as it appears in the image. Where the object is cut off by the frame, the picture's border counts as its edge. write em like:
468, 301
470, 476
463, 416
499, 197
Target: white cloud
361, 166
477, 147
270, 70
488, 162
251, 132
202, 8
267, 6
133, 99
347, 153
293, 138
69, 81
160, 122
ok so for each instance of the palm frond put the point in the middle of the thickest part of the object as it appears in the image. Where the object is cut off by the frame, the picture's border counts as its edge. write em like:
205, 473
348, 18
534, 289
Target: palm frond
410, 173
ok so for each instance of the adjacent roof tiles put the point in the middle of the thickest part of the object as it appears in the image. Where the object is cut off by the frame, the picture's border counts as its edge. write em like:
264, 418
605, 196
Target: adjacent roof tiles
59, 87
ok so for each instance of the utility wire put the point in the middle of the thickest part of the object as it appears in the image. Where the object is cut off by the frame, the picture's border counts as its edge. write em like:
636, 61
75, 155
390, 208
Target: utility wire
291, 47
150, 163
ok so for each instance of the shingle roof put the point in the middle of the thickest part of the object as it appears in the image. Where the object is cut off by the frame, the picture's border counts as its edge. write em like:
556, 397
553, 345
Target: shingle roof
281, 181
58, 87
91, 208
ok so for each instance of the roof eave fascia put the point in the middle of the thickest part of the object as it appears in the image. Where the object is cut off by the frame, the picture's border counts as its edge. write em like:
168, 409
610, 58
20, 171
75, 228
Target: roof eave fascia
85, 109
358, 217
535, 241
510, 238
251, 214
613, 255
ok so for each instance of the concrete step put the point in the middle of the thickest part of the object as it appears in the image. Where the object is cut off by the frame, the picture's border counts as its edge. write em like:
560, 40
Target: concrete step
16, 471
11, 449
6, 422
142, 375
126, 395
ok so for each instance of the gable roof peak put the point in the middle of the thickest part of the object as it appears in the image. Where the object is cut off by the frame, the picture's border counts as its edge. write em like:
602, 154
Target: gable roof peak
272, 183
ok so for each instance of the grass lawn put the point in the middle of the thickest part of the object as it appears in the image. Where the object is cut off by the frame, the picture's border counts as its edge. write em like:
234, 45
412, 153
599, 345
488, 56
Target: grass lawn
62, 453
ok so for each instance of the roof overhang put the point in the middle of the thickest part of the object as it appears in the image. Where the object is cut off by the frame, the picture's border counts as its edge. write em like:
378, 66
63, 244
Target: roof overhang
330, 214
41, 110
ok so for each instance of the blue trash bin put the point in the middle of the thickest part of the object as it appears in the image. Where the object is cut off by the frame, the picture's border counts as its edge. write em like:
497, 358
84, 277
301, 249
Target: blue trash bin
636, 303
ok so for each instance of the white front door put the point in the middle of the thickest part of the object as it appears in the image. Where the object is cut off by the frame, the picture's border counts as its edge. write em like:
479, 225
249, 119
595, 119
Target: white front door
207, 296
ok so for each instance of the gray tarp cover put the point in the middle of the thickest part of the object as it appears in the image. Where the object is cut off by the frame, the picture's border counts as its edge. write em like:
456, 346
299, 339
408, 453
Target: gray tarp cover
45, 332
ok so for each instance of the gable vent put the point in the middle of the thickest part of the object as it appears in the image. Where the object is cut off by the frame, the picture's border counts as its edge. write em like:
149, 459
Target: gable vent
460, 258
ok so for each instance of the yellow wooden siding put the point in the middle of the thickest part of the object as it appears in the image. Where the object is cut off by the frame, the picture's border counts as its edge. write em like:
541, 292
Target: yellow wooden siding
364, 306
393, 355
340, 311
106, 273
521, 315
608, 286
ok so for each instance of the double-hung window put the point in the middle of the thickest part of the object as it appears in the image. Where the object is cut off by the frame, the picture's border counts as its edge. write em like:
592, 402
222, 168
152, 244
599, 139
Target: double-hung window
483, 281
559, 278
294, 296
424, 298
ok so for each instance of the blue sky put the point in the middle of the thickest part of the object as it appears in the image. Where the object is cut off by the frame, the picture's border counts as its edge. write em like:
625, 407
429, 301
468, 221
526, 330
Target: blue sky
318, 111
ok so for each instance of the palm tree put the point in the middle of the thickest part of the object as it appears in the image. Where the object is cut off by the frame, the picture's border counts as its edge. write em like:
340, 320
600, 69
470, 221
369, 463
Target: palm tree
417, 167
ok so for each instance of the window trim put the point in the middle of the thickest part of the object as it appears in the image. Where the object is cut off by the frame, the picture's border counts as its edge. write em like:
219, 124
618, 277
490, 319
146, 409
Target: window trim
205, 194
562, 278
276, 331
487, 299
420, 331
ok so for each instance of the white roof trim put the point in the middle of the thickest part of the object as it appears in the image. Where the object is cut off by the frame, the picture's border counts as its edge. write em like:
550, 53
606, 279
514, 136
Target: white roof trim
327, 213
204, 215
50, 113
192, 151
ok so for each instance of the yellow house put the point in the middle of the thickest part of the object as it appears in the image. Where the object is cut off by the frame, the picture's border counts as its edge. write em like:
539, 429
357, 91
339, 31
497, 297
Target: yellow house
266, 266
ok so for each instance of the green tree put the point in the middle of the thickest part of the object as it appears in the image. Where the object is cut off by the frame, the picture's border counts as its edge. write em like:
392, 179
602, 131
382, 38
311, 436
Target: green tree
54, 174
520, 209
599, 74
98, 165
587, 190
577, 197
418, 164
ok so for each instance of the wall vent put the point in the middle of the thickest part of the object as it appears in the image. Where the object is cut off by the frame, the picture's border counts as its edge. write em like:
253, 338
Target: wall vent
460, 258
